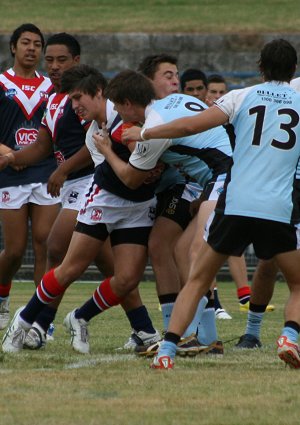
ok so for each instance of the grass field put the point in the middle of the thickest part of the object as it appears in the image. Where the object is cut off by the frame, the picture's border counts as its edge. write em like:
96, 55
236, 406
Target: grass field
56, 386
212, 16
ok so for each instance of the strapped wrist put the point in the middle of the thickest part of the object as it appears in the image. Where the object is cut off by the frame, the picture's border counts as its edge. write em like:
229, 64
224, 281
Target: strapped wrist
143, 134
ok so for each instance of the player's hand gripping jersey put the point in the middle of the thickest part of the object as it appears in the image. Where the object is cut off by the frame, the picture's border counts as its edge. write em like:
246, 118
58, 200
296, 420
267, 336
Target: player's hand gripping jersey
107, 179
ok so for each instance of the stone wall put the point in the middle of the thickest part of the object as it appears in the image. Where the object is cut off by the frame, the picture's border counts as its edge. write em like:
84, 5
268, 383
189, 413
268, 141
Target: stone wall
235, 55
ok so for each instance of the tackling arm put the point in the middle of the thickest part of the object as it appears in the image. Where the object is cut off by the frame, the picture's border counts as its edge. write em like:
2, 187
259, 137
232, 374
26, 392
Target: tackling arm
181, 127
130, 176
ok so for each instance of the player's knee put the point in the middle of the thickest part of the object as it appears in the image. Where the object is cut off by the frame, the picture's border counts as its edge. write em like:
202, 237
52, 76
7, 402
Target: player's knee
267, 270
14, 255
124, 283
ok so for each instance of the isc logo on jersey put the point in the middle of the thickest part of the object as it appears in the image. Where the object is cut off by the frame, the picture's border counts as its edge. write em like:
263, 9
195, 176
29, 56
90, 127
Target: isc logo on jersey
26, 87
26, 136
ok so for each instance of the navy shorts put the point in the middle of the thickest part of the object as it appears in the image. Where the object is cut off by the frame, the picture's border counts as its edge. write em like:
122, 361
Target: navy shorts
171, 205
231, 234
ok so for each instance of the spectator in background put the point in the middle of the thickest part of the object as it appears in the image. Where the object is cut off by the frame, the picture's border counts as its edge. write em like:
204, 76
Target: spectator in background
216, 88
194, 83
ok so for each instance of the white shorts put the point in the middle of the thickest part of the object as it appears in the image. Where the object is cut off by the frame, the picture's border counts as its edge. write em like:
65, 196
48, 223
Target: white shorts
73, 191
103, 207
14, 197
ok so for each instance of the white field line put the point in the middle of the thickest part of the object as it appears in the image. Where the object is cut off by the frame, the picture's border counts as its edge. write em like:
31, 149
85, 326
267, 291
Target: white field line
108, 358
85, 362
89, 361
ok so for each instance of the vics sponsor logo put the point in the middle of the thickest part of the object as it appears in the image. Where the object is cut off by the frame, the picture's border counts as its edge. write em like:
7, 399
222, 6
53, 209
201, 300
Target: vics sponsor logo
26, 136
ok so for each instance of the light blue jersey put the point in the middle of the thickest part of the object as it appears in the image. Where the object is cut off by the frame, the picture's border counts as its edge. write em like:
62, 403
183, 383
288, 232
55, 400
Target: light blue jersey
200, 156
267, 148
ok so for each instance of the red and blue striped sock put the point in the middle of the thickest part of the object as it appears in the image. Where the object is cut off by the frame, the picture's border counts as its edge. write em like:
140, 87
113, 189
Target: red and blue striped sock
102, 299
244, 294
45, 293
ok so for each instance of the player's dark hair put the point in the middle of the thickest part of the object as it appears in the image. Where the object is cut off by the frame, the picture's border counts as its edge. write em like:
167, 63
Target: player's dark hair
190, 75
19, 31
83, 78
130, 85
150, 64
278, 61
67, 40
216, 78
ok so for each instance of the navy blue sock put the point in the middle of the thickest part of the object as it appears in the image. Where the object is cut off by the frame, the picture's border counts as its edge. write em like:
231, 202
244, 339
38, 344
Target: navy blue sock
88, 310
46, 316
171, 337
139, 320
32, 309
217, 303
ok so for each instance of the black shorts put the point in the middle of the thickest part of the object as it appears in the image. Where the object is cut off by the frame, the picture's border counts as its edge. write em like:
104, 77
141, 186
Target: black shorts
171, 205
231, 234
135, 235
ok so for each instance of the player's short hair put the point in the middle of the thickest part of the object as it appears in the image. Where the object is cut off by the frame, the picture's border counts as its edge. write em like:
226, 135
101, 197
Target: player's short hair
19, 31
150, 64
190, 75
130, 85
67, 40
83, 78
216, 78
278, 60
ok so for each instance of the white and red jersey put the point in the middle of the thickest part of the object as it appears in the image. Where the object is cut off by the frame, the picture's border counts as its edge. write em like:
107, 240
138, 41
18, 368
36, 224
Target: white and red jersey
67, 131
22, 105
106, 178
